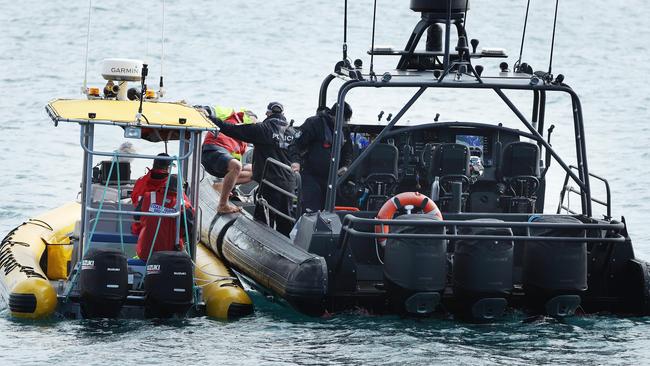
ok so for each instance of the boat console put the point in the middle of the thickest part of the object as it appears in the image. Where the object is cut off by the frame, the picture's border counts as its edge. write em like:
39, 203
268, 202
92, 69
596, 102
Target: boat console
484, 158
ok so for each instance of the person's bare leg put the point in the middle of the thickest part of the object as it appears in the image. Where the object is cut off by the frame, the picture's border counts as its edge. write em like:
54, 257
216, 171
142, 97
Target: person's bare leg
234, 168
246, 174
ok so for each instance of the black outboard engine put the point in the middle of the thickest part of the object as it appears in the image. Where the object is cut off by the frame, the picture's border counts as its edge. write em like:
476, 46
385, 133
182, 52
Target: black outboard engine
555, 273
415, 270
168, 284
103, 283
482, 272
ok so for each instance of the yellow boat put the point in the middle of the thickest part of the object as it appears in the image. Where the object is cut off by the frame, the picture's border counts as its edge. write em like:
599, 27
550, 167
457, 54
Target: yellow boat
77, 260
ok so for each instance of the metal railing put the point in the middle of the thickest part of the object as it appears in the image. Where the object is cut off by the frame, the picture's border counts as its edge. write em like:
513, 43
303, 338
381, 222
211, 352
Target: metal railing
566, 188
296, 197
351, 226
186, 148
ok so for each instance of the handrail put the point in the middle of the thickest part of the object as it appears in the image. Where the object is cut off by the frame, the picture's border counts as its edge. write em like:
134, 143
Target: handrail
279, 189
469, 223
567, 188
298, 187
349, 222
132, 213
135, 156
617, 239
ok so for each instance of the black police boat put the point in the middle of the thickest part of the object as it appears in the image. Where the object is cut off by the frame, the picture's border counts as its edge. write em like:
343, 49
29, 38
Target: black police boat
442, 217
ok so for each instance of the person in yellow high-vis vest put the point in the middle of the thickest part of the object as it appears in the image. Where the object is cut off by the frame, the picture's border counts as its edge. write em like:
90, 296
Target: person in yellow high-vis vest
221, 156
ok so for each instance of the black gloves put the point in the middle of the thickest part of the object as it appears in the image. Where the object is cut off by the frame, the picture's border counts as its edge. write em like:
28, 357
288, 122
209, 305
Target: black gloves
210, 113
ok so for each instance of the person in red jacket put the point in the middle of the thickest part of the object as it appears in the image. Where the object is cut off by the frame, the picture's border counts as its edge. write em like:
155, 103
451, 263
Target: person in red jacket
157, 202
155, 178
221, 157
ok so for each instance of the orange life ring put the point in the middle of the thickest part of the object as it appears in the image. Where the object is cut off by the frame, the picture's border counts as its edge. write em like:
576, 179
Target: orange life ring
415, 199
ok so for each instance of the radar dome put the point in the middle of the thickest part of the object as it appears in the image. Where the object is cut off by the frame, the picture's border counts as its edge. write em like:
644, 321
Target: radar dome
122, 69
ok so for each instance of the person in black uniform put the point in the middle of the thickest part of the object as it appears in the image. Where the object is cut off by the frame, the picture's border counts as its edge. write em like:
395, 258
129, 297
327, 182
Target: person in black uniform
313, 147
271, 138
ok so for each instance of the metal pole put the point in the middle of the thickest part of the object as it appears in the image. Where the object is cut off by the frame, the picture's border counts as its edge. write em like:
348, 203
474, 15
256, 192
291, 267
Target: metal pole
535, 108
196, 193
581, 153
180, 194
542, 113
447, 36
186, 146
87, 132
322, 96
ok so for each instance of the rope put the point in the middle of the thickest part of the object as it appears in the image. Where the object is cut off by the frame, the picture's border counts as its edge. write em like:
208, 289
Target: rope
39, 223
220, 277
92, 232
101, 206
7, 259
187, 234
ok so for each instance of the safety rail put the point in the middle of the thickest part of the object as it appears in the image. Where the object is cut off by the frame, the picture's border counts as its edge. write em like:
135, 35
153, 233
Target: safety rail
566, 188
295, 197
133, 213
349, 222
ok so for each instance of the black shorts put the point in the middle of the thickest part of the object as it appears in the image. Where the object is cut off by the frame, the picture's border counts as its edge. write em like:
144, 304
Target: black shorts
215, 161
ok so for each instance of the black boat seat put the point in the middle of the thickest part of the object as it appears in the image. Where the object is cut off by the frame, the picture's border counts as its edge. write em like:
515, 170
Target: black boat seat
448, 163
519, 176
378, 172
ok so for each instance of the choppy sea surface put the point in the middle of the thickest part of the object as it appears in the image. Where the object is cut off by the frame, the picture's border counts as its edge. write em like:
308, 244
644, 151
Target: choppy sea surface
246, 54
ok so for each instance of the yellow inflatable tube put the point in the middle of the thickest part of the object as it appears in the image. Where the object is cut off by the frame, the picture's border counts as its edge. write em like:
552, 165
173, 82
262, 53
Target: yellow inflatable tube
224, 297
27, 288
23, 284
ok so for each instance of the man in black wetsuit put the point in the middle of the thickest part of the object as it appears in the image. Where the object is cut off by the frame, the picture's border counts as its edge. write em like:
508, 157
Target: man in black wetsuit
313, 147
271, 139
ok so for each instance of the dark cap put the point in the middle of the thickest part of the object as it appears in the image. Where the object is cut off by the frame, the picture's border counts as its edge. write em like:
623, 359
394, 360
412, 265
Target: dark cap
162, 163
347, 110
275, 107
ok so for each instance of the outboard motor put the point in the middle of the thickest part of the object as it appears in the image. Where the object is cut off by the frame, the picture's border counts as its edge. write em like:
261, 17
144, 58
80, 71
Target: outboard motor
168, 284
103, 283
555, 273
415, 270
482, 272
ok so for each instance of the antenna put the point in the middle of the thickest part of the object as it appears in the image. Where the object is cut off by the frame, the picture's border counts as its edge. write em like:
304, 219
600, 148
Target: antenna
523, 37
161, 91
465, 20
84, 88
345, 32
143, 92
146, 31
550, 62
372, 54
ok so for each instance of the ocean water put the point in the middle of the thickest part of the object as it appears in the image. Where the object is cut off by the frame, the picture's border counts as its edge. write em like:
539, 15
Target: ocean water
248, 53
